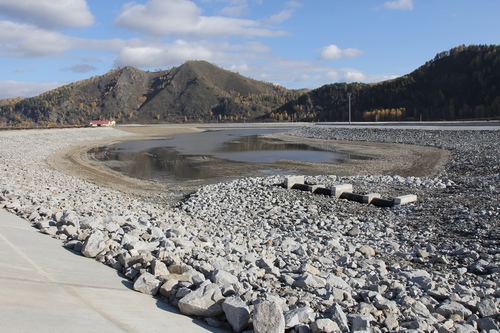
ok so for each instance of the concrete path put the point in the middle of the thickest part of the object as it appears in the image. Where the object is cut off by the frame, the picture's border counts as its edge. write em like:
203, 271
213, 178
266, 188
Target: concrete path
46, 288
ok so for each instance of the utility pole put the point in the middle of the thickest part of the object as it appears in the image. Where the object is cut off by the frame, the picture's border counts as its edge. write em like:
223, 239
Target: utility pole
349, 95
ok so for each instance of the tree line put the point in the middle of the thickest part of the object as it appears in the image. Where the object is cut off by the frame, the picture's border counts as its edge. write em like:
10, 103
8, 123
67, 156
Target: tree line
462, 83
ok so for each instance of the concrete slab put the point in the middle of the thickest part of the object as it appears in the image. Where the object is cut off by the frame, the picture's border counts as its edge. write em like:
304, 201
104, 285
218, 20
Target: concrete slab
324, 191
405, 199
292, 180
46, 288
337, 190
307, 187
361, 198
382, 202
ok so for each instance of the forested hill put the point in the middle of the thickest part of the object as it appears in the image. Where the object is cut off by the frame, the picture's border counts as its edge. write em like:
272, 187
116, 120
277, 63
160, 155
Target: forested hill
196, 91
463, 83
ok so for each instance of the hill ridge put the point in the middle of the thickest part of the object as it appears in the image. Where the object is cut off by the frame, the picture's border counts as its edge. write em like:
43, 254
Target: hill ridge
462, 83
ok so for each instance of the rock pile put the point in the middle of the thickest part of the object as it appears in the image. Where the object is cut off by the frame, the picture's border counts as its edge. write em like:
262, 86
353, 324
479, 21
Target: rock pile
252, 255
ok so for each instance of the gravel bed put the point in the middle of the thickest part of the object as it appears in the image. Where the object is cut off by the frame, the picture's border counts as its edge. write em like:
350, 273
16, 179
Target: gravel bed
252, 255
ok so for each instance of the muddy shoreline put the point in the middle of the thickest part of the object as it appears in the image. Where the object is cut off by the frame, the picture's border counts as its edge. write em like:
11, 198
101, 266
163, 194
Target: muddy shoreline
378, 158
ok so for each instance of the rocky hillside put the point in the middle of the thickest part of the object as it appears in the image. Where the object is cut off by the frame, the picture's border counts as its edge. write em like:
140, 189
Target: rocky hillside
195, 91
462, 83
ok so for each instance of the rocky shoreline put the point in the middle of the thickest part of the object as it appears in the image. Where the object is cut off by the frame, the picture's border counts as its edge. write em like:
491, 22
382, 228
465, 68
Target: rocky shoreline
250, 254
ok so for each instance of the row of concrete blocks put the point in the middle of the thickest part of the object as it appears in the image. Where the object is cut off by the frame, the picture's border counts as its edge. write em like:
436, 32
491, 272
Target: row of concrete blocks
344, 191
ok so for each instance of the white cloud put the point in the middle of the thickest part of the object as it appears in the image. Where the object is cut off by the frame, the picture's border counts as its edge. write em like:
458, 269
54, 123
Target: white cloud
48, 13
281, 16
242, 68
284, 15
20, 70
333, 52
380, 78
399, 4
303, 78
294, 73
332, 76
79, 68
354, 76
92, 59
29, 41
163, 18
235, 8
10, 89
250, 47
24, 40
163, 55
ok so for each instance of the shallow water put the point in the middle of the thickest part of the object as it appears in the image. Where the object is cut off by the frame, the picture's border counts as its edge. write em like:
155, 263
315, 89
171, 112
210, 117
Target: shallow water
191, 156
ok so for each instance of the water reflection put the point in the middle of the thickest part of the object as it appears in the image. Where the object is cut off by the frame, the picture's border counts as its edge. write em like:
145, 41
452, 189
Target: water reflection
205, 155
255, 149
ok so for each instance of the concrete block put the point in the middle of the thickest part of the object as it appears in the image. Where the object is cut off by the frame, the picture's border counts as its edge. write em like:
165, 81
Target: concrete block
382, 202
362, 198
307, 187
292, 180
405, 199
313, 188
337, 190
367, 198
324, 191
351, 196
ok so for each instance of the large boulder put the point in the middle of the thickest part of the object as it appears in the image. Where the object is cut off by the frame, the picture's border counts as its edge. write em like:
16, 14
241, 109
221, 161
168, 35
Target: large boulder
339, 317
488, 307
361, 323
309, 282
237, 313
158, 268
226, 280
147, 283
298, 316
268, 318
324, 325
333, 281
170, 282
206, 301
94, 244
452, 308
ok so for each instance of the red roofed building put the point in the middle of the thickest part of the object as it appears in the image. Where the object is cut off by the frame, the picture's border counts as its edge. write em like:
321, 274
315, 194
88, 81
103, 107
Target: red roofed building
96, 123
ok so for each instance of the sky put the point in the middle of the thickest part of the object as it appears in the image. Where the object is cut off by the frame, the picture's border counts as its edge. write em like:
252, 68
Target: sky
293, 43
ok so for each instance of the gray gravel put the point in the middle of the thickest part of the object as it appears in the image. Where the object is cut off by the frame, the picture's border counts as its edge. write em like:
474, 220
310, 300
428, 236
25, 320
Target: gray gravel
325, 264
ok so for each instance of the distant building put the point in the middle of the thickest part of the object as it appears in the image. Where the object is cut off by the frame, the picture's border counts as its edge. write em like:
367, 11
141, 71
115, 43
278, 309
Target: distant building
99, 123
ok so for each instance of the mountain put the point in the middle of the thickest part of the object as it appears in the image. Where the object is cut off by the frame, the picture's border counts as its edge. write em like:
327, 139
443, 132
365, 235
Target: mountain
462, 83
196, 91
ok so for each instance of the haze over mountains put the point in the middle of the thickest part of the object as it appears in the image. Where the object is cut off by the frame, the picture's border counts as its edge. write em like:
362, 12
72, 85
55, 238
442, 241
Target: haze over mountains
463, 83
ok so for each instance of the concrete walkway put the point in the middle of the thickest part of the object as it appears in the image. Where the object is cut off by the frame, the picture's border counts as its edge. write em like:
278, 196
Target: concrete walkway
46, 288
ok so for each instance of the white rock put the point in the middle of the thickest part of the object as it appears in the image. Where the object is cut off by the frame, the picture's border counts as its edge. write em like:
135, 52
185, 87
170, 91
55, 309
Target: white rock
237, 313
94, 244
147, 283
268, 318
205, 302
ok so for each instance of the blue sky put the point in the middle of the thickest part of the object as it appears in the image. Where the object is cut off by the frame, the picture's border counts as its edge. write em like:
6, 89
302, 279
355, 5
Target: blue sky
293, 43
